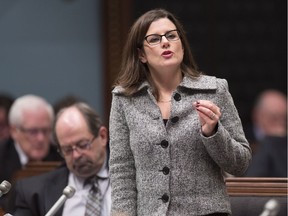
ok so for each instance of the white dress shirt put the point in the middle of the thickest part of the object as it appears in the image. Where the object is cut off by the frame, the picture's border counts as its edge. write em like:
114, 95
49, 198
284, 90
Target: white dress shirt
22, 156
76, 204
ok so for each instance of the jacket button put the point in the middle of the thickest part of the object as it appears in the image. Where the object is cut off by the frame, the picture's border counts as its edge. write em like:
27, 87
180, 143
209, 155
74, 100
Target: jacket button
165, 170
177, 97
164, 143
165, 198
175, 119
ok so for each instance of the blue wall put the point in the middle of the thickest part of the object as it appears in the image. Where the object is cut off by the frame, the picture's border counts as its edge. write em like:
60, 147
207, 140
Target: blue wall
52, 48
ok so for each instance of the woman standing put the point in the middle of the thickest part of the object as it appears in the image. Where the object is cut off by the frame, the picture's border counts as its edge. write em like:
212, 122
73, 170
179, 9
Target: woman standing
173, 131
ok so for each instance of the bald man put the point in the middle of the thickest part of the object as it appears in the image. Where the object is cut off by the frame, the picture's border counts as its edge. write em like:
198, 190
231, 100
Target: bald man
269, 118
270, 129
82, 139
270, 114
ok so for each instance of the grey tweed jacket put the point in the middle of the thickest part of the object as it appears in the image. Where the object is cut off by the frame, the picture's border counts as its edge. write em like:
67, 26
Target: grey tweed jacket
174, 170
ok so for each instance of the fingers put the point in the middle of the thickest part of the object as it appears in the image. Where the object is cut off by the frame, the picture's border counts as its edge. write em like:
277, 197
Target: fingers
212, 116
209, 115
209, 110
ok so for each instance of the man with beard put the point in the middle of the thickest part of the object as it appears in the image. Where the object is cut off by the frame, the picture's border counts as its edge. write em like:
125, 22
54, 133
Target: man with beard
81, 138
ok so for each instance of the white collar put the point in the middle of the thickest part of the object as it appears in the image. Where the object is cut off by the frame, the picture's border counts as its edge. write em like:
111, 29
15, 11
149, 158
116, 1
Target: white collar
22, 156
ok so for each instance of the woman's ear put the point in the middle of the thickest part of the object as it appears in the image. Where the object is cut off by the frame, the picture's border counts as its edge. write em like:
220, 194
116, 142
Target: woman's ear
141, 56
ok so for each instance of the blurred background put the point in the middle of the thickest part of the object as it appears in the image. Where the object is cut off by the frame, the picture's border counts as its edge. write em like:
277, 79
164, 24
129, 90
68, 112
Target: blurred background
70, 47
52, 48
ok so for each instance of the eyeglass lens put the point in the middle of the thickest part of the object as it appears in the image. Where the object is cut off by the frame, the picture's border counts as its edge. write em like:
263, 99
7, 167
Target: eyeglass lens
79, 147
155, 39
35, 131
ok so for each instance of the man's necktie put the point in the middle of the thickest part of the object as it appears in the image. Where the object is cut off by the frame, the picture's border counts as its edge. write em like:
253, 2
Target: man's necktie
94, 199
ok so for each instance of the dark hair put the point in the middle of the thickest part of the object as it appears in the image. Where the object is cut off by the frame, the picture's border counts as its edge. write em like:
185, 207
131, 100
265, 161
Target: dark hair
133, 72
6, 102
66, 101
92, 119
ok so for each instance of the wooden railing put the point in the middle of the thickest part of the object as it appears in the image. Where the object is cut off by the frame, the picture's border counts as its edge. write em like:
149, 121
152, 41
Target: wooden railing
240, 186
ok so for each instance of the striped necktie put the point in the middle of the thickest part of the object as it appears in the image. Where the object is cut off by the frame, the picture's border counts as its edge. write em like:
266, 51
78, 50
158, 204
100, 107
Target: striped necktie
94, 198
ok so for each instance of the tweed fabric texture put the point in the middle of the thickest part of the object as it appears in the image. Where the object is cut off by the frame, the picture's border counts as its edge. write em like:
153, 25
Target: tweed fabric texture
172, 169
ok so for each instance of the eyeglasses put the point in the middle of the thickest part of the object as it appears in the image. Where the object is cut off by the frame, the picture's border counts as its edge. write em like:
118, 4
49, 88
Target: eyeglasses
33, 132
79, 147
155, 39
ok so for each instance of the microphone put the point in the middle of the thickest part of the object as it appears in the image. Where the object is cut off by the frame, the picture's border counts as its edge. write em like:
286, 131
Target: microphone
68, 192
271, 208
4, 187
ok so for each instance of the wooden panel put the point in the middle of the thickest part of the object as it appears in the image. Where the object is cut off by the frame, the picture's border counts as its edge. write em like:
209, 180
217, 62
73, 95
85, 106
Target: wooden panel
1, 212
257, 186
117, 19
36, 168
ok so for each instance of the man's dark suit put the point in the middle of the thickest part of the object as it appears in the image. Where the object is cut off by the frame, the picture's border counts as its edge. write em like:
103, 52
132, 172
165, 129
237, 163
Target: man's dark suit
271, 158
37, 194
10, 161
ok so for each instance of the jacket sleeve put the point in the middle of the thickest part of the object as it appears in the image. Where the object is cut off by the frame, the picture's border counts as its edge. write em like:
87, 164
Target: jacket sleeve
228, 146
22, 206
121, 162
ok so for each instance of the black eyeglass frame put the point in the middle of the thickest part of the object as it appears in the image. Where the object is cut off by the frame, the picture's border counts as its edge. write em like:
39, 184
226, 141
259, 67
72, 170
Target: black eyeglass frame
160, 37
79, 147
32, 132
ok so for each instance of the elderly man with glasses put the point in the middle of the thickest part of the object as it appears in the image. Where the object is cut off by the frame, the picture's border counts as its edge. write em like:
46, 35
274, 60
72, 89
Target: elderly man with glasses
30, 120
82, 140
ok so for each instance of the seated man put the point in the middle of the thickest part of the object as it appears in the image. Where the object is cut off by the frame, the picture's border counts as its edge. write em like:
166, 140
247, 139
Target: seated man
6, 102
82, 139
30, 120
271, 158
270, 127
269, 118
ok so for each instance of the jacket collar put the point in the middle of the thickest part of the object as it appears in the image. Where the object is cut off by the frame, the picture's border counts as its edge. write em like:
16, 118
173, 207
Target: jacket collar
200, 83
203, 82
